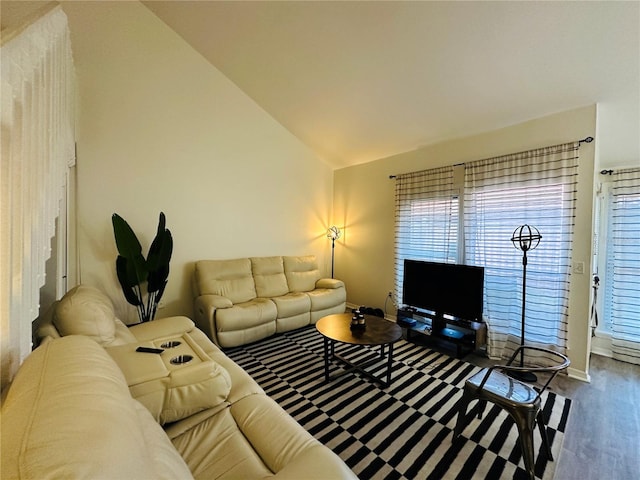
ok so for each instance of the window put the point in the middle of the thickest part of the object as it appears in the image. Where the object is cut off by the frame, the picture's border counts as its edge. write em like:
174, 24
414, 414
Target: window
500, 194
622, 275
427, 217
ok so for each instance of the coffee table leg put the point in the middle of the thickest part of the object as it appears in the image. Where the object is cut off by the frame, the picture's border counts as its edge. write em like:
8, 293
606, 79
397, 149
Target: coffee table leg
389, 361
326, 358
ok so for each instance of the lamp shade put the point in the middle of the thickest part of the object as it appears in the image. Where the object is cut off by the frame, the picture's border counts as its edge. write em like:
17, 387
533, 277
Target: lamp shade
333, 233
526, 238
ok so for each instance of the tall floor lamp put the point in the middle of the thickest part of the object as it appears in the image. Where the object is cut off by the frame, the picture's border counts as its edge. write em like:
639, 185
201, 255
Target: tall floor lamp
524, 238
333, 233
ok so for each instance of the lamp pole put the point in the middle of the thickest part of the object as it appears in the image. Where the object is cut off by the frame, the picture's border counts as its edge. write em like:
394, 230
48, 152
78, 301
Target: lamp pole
333, 233
524, 238
333, 251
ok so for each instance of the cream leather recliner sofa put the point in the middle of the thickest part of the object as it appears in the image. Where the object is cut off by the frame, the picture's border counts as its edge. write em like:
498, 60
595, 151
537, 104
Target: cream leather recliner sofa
86, 404
243, 300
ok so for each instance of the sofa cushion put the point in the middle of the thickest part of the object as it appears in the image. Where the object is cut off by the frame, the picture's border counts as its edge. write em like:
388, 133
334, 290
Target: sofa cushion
323, 298
292, 304
216, 448
255, 438
69, 414
83, 310
228, 278
257, 414
164, 455
246, 315
86, 311
268, 273
302, 272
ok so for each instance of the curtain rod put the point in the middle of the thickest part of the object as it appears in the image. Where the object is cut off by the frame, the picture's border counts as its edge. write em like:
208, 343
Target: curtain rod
584, 140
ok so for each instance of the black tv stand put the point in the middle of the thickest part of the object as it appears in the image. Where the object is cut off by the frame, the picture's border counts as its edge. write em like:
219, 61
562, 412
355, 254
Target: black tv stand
463, 335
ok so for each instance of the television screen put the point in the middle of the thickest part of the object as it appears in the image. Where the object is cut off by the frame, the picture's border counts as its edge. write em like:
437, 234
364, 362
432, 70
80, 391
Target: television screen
444, 288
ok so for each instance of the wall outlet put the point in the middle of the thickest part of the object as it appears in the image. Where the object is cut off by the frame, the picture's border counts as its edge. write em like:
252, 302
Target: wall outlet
390, 294
578, 268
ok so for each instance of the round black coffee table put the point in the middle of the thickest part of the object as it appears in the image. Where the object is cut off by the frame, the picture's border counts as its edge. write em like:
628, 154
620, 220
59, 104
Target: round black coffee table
377, 331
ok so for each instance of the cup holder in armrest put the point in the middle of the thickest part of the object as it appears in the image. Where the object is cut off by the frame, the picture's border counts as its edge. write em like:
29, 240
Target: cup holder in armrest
181, 359
171, 344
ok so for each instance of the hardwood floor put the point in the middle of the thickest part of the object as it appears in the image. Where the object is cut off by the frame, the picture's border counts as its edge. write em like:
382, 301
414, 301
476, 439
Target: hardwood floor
602, 440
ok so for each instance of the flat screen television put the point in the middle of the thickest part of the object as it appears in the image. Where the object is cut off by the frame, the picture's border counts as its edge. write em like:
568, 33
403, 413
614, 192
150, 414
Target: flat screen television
444, 289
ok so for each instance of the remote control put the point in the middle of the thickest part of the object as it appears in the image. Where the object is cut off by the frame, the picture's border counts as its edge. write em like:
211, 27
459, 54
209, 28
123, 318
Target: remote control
149, 350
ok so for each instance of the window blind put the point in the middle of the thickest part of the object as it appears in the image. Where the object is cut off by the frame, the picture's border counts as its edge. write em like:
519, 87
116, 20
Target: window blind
537, 188
426, 219
622, 292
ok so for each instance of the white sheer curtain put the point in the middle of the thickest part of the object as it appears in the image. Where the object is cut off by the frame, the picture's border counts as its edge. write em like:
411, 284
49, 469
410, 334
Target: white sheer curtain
537, 188
622, 293
426, 219
37, 122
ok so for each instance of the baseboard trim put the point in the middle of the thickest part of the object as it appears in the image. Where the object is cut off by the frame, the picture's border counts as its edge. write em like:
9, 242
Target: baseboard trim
604, 352
578, 375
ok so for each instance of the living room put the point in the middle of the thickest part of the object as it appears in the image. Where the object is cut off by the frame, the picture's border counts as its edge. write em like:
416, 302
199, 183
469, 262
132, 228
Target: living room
160, 128
162, 108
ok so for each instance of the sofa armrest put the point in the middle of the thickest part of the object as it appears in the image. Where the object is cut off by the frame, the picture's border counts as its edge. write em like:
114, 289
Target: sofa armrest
162, 327
204, 310
316, 463
288, 450
214, 301
330, 283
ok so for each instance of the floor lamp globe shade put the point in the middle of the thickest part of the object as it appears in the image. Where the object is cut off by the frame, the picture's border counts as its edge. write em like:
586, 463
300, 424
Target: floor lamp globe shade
526, 238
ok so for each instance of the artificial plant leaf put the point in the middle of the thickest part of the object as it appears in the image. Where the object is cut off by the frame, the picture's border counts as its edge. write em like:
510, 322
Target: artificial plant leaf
158, 261
161, 291
162, 222
126, 241
159, 256
127, 280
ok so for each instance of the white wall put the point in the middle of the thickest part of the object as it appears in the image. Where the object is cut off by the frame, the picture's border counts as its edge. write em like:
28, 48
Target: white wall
160, 129
364, 208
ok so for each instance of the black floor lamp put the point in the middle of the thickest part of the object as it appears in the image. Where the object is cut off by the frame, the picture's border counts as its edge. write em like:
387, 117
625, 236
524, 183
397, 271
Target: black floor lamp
524, 238
333, 233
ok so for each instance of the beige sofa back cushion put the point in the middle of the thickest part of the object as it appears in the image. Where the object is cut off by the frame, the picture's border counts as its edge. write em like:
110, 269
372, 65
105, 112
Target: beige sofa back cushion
69, 414
302, 272
268, 273
85, 310
229, 278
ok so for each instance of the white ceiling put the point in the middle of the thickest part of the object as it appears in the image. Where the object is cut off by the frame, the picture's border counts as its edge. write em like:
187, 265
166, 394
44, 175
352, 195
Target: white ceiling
358, 81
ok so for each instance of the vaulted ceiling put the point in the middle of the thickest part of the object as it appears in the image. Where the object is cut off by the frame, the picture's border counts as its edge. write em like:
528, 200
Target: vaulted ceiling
362, 80
358, 81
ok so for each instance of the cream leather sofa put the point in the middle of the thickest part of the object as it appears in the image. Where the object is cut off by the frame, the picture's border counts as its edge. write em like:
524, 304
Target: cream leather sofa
242, 300
86, 404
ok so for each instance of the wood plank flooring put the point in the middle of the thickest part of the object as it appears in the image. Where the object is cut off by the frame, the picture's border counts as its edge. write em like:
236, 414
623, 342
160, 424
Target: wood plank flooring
602, 440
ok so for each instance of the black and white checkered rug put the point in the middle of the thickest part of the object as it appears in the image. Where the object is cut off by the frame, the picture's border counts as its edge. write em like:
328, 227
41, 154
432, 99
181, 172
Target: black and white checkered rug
403, 431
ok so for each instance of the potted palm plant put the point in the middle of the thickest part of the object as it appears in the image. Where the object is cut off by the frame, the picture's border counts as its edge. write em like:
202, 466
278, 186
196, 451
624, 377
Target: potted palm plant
137, 274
